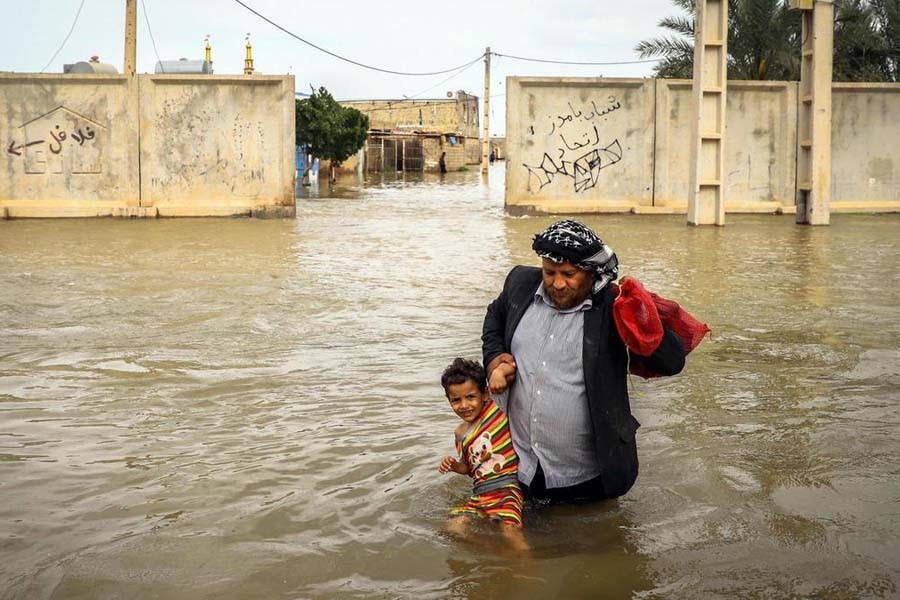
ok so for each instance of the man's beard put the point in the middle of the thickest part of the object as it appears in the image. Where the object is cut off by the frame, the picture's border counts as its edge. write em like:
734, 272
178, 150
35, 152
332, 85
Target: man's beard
570, 298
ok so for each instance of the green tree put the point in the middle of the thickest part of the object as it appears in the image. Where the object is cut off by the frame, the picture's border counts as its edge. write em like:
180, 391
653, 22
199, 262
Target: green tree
764, 39
330, 131
861, 49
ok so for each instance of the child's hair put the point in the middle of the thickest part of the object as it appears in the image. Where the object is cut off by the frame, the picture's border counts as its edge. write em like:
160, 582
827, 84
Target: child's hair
462, 370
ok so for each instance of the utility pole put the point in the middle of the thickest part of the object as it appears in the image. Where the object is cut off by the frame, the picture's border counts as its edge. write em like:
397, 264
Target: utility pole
814, 118
486, 142
706, 194
130, 37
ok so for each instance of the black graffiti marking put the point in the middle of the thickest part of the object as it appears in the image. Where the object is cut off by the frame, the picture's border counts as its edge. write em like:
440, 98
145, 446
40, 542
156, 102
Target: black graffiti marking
585, 170
58, 138
13, 149
574, 114
588, 167
614, 105
587, 142
80, 137
543, 173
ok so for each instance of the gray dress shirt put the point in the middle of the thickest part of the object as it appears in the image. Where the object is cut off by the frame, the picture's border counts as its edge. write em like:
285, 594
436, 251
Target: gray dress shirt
547, 404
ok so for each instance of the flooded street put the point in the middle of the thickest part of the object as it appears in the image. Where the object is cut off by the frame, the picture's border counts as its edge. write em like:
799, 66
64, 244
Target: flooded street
235, 408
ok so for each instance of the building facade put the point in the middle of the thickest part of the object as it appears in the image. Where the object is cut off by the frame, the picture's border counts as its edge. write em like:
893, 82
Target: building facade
412, 134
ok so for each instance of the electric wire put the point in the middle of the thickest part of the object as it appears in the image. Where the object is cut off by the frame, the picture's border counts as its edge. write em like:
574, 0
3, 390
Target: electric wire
152, 40
345, 59
68, 35
566, 62
443, 81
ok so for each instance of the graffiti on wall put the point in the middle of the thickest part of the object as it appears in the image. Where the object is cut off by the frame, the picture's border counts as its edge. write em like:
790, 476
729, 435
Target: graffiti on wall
581, 150
60, 141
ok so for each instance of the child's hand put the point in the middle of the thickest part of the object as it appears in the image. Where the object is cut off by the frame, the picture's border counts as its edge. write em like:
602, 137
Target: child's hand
450, 463
502, 375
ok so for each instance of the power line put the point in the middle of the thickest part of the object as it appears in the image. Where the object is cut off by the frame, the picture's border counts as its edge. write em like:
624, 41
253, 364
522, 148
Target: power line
71, 29
338, 56
443, 81
147, 19
566, 62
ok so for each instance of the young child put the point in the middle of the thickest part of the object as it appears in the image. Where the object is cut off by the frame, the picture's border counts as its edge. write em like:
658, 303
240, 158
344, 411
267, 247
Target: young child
485, 453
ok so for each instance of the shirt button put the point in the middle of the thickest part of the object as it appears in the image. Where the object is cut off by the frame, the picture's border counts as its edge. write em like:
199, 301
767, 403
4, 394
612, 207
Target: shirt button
539, 392
544, 362
551, 336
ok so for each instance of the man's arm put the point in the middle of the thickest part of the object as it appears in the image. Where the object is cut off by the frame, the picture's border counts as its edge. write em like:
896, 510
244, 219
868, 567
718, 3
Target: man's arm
493, 340
668, 358
493, 332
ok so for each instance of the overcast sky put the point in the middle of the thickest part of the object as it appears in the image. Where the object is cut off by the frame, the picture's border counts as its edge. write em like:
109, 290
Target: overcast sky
402, 36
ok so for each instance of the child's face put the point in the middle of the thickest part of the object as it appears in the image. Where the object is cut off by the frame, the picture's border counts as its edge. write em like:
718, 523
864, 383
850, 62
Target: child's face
466, 400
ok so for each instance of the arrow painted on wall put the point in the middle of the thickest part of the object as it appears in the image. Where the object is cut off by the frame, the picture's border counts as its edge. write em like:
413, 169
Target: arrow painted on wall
13, 149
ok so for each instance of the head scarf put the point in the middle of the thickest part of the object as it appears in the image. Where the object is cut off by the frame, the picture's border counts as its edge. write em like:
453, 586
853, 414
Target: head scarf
571, 241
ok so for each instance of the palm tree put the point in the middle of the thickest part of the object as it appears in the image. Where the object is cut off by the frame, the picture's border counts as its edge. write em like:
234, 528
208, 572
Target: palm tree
677, 51
764, 41
887, 21
867, 40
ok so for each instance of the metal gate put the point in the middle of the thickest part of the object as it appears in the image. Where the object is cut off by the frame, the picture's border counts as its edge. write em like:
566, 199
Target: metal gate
413, 155
395, 154
373, 155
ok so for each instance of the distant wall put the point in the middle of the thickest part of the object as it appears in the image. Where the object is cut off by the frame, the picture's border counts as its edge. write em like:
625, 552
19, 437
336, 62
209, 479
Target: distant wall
599, 145
153, 145
499, 146
437, 115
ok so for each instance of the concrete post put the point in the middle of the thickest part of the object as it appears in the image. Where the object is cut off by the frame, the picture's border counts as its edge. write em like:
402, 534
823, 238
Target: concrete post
130, 66
814, 115
485, 143
706, 202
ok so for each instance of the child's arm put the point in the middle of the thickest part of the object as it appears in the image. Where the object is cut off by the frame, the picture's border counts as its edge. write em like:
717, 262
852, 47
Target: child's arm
451, 463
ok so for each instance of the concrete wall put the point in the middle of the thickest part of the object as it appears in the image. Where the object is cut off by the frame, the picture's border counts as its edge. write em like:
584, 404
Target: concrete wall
760, 145
70, 145
100, 145
865, 146
438, 115
499, 146
596, 145
216, 144
579, 145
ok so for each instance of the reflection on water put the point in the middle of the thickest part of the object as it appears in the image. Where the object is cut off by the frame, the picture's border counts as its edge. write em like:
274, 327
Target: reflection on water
237, 408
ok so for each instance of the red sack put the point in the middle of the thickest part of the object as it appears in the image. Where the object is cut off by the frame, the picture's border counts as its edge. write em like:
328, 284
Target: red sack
634, 310
636, 317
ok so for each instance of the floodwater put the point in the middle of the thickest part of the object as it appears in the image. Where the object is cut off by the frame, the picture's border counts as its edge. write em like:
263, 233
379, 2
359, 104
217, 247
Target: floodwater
241, 408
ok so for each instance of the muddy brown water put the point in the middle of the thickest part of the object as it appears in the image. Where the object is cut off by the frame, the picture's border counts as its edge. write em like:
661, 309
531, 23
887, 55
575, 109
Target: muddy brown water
250, 409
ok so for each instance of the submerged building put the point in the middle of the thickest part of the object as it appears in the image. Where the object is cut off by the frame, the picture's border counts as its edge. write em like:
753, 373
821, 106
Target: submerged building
412, 134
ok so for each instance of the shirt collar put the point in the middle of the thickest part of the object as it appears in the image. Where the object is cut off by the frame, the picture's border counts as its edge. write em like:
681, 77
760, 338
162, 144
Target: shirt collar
541, 295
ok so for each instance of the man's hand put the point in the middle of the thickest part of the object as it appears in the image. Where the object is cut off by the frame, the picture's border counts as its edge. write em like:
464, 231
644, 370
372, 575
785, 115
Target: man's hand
450, 463
502, 373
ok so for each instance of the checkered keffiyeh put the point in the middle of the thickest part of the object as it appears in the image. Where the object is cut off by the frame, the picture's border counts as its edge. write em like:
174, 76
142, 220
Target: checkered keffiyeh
574, 242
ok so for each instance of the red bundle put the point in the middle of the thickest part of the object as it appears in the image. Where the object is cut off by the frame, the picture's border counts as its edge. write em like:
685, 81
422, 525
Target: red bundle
637, 319
640, 315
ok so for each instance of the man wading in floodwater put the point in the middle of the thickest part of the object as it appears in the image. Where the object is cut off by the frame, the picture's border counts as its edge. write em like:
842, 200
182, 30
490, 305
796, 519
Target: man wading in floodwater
568, 408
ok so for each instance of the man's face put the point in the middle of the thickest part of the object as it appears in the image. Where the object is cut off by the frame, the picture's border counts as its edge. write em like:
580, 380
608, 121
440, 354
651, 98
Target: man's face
566, 284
